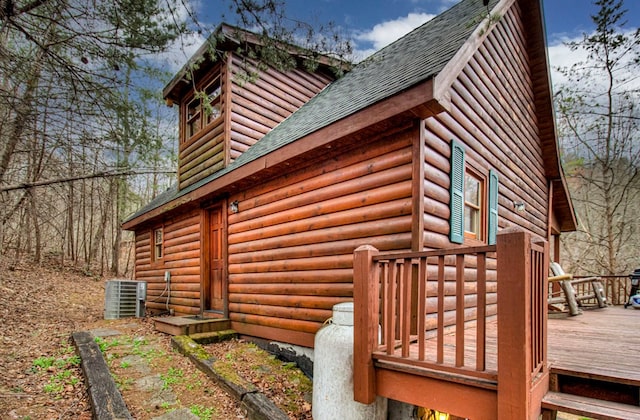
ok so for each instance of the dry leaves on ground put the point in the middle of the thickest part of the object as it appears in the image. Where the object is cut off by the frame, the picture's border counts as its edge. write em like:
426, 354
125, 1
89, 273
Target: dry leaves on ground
40, 306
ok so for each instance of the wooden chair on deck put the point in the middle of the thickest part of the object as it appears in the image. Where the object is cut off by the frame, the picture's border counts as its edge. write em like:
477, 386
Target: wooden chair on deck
568, 294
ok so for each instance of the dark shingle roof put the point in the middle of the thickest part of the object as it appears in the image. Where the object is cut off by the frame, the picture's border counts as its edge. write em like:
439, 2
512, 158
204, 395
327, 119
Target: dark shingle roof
414, 58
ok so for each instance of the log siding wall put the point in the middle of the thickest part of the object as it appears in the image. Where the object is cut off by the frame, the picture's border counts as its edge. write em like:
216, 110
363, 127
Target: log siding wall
252, 102
181, 258
492, 114
259, 105
291, 244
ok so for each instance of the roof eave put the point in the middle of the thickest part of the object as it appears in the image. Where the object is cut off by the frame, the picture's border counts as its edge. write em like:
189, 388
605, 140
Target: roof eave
228, 38
414, 102
543, 93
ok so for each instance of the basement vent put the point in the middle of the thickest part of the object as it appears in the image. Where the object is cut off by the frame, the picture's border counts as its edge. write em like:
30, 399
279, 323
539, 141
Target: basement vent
124, 298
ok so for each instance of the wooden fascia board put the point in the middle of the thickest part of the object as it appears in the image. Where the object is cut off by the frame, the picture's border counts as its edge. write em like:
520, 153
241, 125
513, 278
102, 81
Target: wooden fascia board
168, 93
564, 205
537, 50
450, 72
416, 101
536, 39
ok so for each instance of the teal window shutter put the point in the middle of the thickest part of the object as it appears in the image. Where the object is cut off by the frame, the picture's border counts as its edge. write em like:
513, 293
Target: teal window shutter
493, 207
456, 205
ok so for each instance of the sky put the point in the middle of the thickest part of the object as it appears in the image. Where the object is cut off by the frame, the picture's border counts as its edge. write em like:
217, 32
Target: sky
372, 24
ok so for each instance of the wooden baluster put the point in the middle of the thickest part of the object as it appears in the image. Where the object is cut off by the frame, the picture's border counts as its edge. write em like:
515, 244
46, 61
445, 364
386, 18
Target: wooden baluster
422, 303
384, 298
392, 296
405, 313
460, 310
440, 332
481, 322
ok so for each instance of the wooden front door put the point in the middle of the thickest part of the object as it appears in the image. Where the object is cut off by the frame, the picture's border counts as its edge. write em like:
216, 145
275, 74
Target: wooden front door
215, 286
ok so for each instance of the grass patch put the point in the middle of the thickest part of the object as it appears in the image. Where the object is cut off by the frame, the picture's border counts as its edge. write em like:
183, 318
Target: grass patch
204, 413
172, 377
63, 373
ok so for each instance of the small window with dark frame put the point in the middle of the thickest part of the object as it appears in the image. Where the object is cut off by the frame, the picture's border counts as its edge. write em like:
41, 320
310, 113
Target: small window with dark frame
157, 244
193, 118
204, 108
212, 91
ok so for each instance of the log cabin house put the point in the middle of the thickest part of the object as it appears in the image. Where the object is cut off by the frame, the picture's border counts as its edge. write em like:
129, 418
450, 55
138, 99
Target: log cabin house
440, 139
443, 140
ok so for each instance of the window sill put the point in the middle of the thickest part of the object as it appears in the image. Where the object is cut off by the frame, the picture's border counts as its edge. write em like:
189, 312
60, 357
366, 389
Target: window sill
203, 132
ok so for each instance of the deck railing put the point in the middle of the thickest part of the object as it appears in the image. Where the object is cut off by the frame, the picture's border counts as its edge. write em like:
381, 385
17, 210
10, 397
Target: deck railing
616, 288
434, 310
403, 295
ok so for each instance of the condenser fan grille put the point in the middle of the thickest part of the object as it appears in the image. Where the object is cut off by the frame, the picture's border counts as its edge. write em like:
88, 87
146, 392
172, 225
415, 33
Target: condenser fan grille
124, 298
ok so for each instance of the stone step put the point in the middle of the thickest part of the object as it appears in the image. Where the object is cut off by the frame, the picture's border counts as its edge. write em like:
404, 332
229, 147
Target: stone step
188, 325
214, 336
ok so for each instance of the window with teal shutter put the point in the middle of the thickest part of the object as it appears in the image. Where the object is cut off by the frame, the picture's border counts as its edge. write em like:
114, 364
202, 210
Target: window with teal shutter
456, 205
493, 207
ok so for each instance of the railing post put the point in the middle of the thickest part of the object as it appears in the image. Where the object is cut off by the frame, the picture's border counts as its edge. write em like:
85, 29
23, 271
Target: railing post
365, 323
518, 390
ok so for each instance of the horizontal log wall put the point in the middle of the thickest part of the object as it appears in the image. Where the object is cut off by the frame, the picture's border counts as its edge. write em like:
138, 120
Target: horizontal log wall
291, 244
259, 105
181, 259
204, 154
493, 115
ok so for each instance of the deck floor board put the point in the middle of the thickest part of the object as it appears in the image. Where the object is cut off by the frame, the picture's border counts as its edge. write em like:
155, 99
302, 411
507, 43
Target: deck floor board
600, 344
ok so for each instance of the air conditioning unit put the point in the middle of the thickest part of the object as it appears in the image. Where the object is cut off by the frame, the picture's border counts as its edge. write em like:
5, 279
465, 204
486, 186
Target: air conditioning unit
124, 298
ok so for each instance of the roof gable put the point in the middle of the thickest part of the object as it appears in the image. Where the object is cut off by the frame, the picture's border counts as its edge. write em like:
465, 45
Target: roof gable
416, 57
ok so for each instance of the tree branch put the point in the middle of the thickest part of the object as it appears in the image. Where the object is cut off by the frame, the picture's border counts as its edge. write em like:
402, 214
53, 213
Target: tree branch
28, 185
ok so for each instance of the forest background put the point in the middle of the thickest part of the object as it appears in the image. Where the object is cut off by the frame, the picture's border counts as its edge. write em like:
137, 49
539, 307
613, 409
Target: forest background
85, 137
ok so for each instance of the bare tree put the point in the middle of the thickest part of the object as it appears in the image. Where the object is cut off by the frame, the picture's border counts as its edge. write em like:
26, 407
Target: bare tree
598, 119
85, 137
60, 75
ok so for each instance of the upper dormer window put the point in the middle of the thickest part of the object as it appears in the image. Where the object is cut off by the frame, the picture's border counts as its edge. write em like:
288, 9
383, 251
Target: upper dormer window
193, 117
202, 109
212, 91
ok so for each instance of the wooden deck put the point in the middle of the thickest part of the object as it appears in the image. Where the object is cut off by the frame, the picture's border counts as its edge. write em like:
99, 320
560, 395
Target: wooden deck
599, 344
595, 354
508, 363
590, 355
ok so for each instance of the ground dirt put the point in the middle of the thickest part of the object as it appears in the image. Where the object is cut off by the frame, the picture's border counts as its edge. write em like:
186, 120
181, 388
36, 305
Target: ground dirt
41, 306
